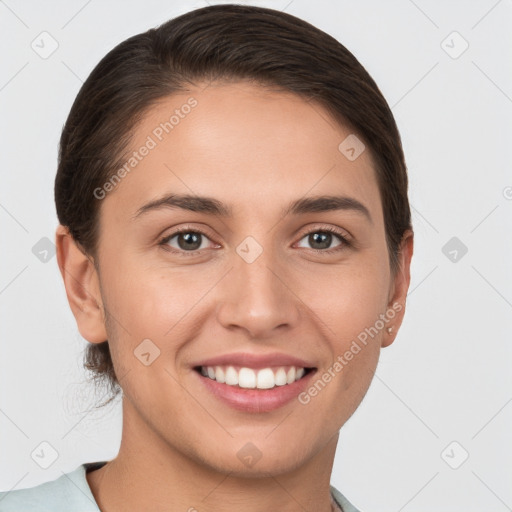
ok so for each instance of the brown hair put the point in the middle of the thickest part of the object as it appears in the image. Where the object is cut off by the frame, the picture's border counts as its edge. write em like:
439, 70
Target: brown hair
219, 42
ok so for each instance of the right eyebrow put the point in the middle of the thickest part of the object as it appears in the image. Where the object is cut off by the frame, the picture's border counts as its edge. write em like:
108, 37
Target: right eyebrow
187, 202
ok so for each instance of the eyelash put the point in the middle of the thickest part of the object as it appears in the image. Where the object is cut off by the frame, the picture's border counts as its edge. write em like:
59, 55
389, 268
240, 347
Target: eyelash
344, 241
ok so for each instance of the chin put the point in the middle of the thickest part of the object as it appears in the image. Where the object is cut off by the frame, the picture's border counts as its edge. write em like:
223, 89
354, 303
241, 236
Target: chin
258, 459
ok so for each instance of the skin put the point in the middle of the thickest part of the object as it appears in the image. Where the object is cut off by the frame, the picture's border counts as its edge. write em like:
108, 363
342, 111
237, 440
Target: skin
254, 150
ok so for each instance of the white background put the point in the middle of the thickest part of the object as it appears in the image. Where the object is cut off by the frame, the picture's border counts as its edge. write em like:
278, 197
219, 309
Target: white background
447, 376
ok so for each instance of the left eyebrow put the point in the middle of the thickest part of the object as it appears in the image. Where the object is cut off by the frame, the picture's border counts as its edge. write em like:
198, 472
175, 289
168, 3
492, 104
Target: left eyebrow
326, 204
219, 209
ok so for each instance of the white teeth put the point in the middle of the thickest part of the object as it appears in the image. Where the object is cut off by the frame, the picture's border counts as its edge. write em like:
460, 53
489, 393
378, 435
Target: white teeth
247, 378
265, 378
220, 375
231, 376
280, 378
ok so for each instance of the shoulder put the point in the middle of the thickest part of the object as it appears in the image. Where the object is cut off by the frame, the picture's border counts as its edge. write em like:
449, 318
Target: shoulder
68, 493
71, 493
345, 505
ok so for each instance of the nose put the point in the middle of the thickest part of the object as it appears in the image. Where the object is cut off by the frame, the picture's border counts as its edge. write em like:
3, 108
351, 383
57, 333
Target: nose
258, 298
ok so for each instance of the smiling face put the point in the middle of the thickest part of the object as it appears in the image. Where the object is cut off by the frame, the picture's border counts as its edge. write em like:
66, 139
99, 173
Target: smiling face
268, 285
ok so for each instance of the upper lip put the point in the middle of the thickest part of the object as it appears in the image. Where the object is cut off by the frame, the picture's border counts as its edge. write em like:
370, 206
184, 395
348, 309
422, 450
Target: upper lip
257, 361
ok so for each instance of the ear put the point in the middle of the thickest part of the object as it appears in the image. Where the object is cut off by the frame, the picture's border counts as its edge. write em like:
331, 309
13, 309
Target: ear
82, 286
399, 287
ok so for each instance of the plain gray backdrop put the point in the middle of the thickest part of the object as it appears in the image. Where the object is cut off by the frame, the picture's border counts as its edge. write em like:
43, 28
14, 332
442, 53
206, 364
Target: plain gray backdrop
433, 432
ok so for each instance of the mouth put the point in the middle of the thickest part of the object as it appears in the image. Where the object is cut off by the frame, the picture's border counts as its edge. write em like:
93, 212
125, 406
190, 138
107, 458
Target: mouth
254, 378
254, 383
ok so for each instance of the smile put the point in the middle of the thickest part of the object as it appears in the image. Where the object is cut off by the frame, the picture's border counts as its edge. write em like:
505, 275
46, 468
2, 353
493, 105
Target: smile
249, 378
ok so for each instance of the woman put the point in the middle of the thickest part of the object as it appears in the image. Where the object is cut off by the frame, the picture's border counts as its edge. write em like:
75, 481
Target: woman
235, 241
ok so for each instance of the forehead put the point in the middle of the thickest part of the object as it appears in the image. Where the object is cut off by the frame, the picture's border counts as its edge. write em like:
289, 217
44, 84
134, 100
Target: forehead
243, 144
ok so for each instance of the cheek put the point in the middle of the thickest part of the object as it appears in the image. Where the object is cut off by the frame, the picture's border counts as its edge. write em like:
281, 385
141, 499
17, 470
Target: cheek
149, 302
348, 305
347, 300
154, 310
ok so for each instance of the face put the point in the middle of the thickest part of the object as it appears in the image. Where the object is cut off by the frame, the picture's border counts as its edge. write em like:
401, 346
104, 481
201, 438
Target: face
266, 284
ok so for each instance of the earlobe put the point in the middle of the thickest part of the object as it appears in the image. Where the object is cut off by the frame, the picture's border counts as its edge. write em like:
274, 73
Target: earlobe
82, 286
400, 287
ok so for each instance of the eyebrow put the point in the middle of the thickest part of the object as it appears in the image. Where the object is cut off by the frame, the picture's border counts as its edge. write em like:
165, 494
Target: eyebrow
212, 206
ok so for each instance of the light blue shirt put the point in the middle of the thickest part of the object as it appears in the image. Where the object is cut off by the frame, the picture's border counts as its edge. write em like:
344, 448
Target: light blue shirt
71, 493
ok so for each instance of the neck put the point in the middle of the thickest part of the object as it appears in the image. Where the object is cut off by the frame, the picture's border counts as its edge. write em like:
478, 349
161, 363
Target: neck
147, 467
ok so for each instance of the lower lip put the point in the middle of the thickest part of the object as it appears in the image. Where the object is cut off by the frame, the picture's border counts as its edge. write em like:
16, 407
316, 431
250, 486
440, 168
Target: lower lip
256, 400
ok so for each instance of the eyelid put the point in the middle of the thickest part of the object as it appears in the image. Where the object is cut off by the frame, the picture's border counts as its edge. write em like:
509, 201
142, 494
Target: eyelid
342, 233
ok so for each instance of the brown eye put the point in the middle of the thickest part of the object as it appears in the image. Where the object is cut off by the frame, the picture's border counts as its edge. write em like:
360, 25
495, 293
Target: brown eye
189, 241
185, 240
323, 240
